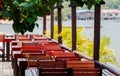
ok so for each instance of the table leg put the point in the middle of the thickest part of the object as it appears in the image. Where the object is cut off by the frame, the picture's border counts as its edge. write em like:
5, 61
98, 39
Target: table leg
3, 53
8, 51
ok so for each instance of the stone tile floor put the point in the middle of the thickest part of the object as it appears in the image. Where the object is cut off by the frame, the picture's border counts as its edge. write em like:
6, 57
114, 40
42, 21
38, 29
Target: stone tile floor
6, 69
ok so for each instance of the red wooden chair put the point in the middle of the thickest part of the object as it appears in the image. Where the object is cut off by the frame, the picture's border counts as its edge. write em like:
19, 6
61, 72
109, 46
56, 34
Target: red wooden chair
51, 47
2, 47
23, 38
30, 43
55, 72
83, 68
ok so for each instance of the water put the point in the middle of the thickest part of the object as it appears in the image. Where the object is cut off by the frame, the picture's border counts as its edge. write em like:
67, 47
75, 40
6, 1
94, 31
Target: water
110, 28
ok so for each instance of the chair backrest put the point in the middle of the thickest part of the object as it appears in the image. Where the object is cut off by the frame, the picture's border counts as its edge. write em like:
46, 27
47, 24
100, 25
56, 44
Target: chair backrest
23, 39
62, 53
47, 64
87, 72
48, 47
32, 51
67, 58
55, 72
30, 47
80, 64
29, 43
40, 38
40, 57
2, 37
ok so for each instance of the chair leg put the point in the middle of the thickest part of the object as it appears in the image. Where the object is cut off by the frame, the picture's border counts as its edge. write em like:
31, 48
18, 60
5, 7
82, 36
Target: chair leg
3, 55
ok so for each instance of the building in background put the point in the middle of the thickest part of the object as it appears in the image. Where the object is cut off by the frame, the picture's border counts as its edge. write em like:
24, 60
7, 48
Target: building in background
110, 14
89, 14
83, 15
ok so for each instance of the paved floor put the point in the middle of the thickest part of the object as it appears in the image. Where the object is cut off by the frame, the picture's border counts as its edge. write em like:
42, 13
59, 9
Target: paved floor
6, 69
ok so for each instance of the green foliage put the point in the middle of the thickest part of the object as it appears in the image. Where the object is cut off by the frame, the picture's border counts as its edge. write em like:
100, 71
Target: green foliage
24, 13
85, 46
64, 17
106, 54
111, 4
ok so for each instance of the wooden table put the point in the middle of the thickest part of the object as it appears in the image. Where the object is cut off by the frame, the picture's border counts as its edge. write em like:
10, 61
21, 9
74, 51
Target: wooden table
8, 39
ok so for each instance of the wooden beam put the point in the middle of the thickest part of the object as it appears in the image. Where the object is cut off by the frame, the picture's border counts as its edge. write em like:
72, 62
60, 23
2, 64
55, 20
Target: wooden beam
1, 4
52, 24
44, 25
73, 8
97, 32
59, 7
44, 18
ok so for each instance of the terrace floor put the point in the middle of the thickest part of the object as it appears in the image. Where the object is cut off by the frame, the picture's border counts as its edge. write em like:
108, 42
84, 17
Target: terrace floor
5, 69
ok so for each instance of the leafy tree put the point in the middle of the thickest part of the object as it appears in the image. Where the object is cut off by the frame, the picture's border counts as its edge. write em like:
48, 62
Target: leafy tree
24, 13
111, 4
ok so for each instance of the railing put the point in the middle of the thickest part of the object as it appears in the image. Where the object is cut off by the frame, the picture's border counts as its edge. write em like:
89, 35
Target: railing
106, 69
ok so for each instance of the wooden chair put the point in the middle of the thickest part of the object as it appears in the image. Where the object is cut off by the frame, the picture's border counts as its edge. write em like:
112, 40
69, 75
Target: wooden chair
49, 72
23, 65
40, 57
29, 43
67, 58
37, 38
87, 72
23, 39
83, 68
2, 47
55, 72
51, 47
46, 64
64, 56
80, 64
31, 47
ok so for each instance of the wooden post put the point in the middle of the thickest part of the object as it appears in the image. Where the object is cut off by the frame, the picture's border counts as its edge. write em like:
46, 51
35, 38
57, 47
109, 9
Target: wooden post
69, 72
52, 24
3, 54
44, 25
97, 32
40, 71
73, 8
59, 7
1, 4
7, 51
22, 67
44, 18
15, 67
